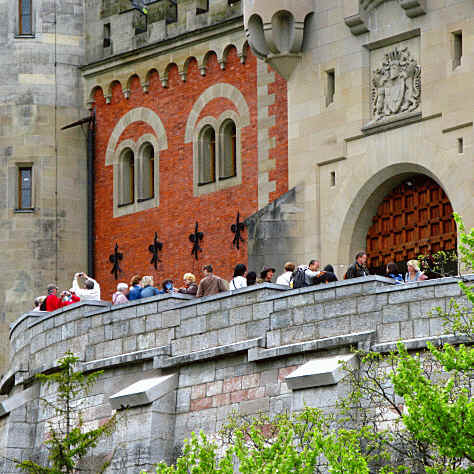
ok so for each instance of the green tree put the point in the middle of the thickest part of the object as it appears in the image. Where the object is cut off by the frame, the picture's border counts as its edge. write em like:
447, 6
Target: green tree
68, 442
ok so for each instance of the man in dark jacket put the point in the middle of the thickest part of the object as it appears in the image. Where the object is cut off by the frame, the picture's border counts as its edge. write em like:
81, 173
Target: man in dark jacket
358, 268
211, 284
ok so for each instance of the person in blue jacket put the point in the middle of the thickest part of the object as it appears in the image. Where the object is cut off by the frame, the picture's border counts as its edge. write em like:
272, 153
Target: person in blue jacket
147, 287
135, 288
392, 272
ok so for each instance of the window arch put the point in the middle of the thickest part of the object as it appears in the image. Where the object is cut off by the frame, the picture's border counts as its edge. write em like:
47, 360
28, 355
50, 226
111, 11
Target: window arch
207, 155
127, 189
25, 17
147, 175
228, 150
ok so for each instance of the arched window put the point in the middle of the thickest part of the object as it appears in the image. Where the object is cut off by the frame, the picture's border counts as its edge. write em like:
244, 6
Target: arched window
128, 177
207, 156
228, 152
148, 172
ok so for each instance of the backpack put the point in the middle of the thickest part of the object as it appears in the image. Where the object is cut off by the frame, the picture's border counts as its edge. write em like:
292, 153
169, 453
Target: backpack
298, 279
43, 304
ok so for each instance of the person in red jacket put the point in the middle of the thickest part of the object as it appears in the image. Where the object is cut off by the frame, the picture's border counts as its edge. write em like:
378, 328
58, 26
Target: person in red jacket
52, 302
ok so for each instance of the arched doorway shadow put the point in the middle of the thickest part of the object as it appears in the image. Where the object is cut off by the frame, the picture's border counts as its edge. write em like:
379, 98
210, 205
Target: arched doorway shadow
360, 216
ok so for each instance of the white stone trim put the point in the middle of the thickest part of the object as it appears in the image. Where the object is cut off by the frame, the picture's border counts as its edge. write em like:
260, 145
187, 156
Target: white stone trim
265, 143
217, 124
159, 142
220, 90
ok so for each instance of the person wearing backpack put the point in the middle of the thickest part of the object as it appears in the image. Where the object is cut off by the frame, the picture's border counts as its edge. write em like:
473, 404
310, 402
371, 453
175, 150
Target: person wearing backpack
304, 274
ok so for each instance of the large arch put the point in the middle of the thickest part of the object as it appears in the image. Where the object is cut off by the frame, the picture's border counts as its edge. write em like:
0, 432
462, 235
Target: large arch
216, 91
358, 218
139, 114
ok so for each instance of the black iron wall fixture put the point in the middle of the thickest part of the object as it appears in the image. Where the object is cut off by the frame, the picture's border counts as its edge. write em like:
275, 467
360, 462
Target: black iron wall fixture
155, 248
196, 238
115, 259
237, 230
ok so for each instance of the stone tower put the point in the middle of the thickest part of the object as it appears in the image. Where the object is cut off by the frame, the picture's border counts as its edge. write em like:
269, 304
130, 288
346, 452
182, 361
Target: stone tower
42, 169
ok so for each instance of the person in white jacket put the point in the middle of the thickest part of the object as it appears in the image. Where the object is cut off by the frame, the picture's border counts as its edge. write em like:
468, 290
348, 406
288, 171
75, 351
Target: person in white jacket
285, 278
238, 281
91, 290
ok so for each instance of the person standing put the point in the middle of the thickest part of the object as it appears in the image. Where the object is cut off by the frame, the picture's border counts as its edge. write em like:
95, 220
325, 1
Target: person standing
190, 287
266, 275
414, 273
210, 284
285, 278
392, 272
147, 287
120, 296
238, 280
358, 268
251, 278
135, 288
52, 302
305, 275
91, 290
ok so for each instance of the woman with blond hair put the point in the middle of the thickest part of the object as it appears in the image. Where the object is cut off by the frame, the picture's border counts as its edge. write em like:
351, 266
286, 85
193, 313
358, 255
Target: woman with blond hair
414, 273
147, 287
190, 287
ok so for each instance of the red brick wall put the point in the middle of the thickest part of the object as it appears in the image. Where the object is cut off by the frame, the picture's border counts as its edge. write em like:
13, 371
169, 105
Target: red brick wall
178, 210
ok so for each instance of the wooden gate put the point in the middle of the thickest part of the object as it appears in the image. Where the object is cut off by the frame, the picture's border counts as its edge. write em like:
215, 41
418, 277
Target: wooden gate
415, 218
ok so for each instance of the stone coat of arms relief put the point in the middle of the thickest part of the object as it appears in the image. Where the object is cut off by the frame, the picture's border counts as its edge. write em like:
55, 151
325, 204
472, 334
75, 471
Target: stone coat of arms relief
396, 85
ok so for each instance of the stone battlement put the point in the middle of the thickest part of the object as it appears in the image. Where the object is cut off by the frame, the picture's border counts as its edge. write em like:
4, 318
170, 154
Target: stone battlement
183, 364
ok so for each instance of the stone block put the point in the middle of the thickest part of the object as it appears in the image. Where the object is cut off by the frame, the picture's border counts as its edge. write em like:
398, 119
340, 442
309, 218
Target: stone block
281, 319
389, 332
302, 299
137, 326
280, 304
144, 392
252, 407
240, 315
313, 313
188, 312
333, 309
405, 294
393, 313
119, 329
209, 307
321, 371
257, 328
153, 321
188, 327
421, 327
217, 320
450, 290
262, 310
334, 327
171, 318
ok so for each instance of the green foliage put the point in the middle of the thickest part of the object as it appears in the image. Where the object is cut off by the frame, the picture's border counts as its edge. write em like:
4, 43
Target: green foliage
301, 443
442, 263
68, 442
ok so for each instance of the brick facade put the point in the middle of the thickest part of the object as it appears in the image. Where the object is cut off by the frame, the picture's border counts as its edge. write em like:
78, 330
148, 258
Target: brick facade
174, 219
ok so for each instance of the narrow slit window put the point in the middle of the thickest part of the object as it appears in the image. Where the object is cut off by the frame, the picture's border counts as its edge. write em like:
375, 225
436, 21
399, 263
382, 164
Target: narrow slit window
333, 178
331, 86
25, 16
25, 188
460, 146
128, 174
207, 161
228, 156
106, 35
457, 49
148, 167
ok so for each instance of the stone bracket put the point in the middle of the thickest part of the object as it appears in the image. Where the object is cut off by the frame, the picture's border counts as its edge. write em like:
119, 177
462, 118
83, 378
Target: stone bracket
356, 12
422, 343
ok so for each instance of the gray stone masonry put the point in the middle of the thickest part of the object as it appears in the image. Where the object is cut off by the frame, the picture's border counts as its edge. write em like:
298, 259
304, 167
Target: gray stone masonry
232, 351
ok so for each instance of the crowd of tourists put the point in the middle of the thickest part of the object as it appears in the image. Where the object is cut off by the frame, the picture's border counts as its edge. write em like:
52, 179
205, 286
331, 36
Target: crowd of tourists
293, 276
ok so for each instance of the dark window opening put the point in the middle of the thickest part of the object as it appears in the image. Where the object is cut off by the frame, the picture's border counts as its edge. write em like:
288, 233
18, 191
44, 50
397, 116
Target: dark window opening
207, 161
107, 35
331, 86
460, 146
202, 7
25, 188
228, 159
457, 40
25, 17
333, 178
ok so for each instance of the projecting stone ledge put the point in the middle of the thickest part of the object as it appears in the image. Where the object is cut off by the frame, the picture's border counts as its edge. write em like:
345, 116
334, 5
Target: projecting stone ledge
144, 392
320, 372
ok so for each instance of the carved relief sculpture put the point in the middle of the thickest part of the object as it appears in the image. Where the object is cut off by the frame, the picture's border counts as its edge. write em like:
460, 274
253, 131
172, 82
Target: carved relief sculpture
396, 85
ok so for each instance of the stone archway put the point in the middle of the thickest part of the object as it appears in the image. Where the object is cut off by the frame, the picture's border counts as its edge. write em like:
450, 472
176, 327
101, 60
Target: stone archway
415, 218
360, 214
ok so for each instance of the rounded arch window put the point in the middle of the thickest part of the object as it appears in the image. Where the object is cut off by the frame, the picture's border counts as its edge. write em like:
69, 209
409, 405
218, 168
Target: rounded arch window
228, 155
148, 172
127, 194
207, 155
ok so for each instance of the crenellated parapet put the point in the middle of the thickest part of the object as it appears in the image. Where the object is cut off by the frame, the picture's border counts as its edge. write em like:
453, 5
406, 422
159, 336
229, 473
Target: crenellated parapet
275, 30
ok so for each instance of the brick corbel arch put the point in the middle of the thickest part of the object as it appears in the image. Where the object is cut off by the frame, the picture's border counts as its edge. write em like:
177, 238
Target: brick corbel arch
139, 114
220, 90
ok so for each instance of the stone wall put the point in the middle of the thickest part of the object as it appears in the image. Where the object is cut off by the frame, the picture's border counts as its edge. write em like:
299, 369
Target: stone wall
40, 92
188, 363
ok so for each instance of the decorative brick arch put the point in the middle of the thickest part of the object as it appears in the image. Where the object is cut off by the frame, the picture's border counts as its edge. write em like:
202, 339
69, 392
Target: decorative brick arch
216, 91
140, 114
